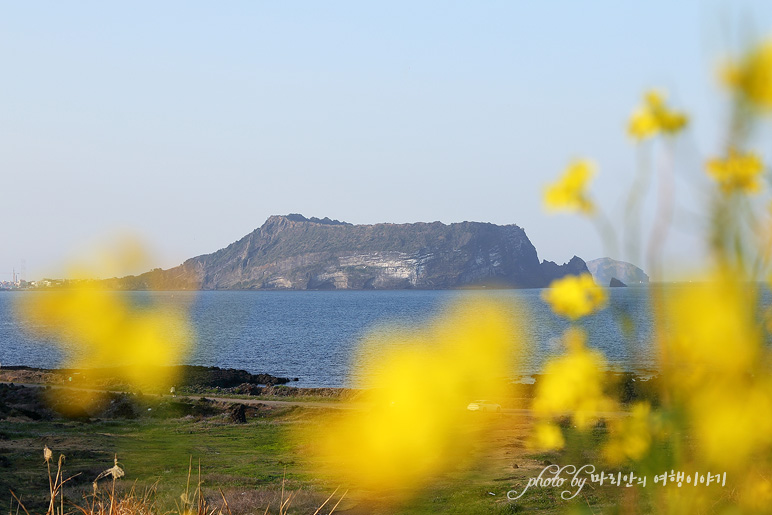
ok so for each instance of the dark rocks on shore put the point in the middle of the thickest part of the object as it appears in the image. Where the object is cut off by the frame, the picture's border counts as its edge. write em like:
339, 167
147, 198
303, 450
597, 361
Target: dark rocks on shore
225, 377
122, 407
48, 404
237, 413
616, 283
188, 375
18, 401
248, 389
290, 391
54, 403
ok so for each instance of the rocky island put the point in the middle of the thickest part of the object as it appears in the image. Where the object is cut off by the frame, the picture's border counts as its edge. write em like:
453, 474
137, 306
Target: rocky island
293, 252
605, 270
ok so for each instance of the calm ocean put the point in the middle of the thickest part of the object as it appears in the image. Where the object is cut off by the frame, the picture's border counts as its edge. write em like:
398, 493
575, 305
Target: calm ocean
313, 335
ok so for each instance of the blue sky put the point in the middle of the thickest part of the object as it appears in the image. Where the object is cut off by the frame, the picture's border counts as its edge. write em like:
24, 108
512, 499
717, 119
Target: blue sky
189, 123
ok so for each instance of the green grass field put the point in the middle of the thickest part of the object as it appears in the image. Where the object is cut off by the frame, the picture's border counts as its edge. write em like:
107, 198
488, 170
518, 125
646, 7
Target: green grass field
253, 463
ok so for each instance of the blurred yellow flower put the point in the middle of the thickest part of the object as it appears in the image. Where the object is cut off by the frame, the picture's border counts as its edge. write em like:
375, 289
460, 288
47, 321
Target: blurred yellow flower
630, 436
547, 437
643, 124
573, 384
756, 492
575, 296
732, 423
751, 77
763, 242
569, 193
418, 384
105, 329
653, 117
711, 333
737, 172
712, 366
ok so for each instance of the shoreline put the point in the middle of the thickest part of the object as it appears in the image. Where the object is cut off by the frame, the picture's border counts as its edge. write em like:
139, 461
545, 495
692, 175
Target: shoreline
199, 380
191, 379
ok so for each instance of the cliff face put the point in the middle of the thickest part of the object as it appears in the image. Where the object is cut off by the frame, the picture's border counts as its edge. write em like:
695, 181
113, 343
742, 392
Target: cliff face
293, 252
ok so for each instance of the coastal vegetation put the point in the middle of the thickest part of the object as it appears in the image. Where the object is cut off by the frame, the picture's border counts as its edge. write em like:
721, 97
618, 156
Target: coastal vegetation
246, 465
695, 439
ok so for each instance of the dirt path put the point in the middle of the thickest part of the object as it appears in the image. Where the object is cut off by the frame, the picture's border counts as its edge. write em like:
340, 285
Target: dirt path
239, 400
332, 404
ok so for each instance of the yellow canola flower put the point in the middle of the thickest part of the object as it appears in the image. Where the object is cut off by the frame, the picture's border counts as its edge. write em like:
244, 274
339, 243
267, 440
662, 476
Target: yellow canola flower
654, 117
763, 242
631, 436
737, 172
712, 363
756, 491
547, 437
573, 384
732, 423
751, 76
569, 193
710, 333
418, 385
575, 296
643, 124
100, 329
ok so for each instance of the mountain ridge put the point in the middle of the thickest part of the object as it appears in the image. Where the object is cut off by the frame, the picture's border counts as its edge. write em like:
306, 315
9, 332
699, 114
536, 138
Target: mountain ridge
292, 252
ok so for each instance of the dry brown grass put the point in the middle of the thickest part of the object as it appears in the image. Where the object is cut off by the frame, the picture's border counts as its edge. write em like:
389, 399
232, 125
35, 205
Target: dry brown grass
104, 500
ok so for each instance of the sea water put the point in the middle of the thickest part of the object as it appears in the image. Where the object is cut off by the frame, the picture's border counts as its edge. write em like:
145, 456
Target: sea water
314, 335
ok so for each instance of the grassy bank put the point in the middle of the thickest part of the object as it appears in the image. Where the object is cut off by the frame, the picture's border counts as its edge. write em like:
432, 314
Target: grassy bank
252, 463
249, 452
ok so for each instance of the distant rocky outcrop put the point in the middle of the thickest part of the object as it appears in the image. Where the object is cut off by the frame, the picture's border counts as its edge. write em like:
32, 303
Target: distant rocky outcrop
616, 283
297, 253
552, 270
605, 269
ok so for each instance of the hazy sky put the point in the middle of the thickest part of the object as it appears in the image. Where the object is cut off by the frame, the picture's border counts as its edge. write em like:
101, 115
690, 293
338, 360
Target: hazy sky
189, 123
